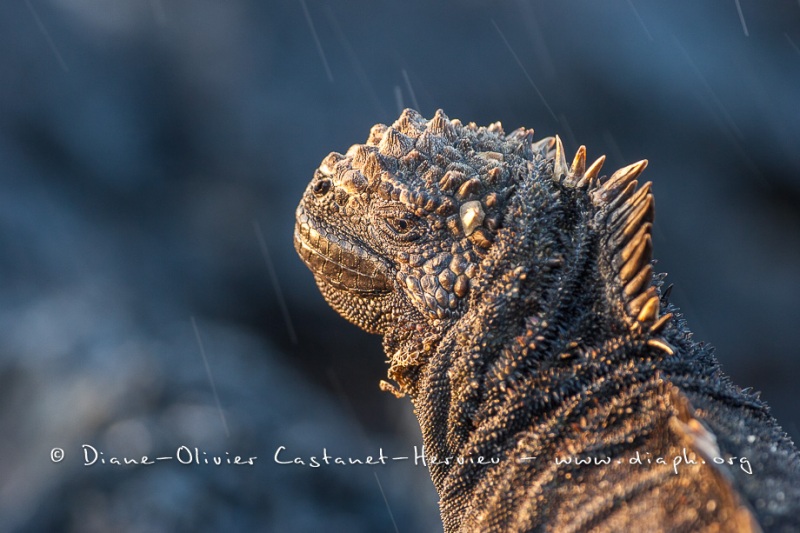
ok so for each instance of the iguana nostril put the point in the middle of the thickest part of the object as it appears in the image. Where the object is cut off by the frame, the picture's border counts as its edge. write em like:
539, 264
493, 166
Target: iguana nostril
322, 187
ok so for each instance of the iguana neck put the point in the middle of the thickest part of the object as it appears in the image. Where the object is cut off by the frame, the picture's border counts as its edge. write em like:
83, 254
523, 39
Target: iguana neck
540, 296
534, 343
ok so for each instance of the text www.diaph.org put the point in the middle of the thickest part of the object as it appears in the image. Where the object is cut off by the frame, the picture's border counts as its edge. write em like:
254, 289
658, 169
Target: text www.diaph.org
639, 459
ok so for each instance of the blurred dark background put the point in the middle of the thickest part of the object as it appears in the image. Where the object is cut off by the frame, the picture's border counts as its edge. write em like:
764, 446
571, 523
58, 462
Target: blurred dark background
152, 153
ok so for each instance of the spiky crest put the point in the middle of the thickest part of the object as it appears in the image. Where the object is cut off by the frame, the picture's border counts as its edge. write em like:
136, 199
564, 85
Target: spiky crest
625, 220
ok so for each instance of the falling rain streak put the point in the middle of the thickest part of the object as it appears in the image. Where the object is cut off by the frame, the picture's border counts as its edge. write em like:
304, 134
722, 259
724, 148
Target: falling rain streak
410, 90
316, 40
275, 283
712, 95
358, 67
568, 130
525, 71
741, 18
726, 123
792, 43
47, 37
398, 98
613, 145
639, 18
210, 377
388, 508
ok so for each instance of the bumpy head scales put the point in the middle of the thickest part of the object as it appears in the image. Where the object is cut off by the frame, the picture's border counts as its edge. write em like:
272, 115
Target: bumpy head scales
395, 229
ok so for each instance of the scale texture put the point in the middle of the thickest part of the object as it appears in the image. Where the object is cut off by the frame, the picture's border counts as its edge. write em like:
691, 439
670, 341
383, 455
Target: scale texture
520, 312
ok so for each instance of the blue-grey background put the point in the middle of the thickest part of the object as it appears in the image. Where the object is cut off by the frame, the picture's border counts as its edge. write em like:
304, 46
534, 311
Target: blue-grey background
149, 147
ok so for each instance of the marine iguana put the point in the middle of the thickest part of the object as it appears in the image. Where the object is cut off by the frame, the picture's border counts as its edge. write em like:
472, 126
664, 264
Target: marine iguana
519, 309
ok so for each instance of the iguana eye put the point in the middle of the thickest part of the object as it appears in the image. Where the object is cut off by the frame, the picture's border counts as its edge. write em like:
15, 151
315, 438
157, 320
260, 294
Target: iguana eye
401, 227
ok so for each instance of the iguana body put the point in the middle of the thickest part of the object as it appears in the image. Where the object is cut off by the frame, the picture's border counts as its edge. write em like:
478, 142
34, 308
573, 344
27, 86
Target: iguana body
519, 310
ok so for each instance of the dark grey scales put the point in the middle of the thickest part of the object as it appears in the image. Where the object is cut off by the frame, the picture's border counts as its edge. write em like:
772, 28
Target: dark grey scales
520, 312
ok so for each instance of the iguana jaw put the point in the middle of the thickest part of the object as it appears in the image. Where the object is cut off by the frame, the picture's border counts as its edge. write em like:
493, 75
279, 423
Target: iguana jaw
341, 263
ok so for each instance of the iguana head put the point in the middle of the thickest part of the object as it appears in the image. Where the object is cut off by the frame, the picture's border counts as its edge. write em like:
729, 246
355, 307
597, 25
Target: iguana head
399, 231
394, 229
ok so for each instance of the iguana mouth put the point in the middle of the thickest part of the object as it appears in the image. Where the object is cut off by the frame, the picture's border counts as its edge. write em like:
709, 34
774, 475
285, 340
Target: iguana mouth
341, 263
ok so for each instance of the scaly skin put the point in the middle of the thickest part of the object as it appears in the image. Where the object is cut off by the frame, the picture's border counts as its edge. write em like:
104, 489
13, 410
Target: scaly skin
519, 310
